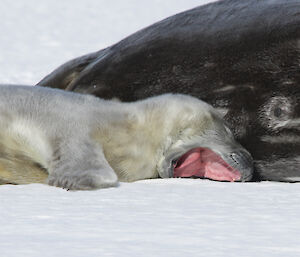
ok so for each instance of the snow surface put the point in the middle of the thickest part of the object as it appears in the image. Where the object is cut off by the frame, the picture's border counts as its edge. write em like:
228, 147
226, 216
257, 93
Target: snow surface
170, 217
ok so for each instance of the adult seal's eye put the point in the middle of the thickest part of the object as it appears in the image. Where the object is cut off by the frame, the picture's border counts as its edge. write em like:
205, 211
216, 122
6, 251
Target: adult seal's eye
277, 112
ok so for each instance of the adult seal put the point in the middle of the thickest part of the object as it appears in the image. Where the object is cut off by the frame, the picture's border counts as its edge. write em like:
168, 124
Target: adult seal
240, 56
81, 142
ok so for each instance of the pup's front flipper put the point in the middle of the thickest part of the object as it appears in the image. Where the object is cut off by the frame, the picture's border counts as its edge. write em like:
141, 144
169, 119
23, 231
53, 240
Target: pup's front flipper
81, 166
84, 180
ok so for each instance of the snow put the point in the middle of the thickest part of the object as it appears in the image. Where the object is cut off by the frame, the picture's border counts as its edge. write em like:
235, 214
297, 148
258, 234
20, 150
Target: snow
170, 217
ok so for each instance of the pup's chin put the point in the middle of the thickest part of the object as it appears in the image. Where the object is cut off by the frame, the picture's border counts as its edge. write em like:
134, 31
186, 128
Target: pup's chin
205, 163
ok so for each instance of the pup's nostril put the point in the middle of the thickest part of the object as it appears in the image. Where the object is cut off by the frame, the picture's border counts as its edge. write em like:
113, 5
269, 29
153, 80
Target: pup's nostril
235, 158
242, 158
243, 162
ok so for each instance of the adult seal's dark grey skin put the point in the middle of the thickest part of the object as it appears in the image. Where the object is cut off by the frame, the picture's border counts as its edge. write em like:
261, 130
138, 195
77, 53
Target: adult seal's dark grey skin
242, 57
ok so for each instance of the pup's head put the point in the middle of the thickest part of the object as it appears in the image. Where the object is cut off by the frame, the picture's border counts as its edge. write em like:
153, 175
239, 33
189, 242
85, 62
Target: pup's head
201, 145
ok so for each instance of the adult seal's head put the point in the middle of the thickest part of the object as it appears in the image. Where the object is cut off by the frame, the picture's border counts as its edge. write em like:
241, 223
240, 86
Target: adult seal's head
240, 56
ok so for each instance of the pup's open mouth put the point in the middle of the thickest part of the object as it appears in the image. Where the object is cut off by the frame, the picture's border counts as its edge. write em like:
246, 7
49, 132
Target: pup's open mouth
204, 163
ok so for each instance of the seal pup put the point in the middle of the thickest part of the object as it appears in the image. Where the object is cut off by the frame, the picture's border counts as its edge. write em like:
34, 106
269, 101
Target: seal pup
240, 56
82, 142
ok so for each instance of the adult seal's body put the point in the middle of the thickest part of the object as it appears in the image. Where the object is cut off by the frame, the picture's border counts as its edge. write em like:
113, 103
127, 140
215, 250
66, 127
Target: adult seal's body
83, 142
240, 56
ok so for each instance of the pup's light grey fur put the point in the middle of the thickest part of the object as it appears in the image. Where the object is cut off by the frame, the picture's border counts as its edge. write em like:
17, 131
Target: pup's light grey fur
82, 142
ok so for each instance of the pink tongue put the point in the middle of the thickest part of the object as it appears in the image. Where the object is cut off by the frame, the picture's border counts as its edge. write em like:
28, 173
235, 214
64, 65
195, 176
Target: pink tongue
204, 163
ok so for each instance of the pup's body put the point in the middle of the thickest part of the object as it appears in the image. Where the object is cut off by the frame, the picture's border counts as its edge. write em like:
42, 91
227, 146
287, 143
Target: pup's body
82, 142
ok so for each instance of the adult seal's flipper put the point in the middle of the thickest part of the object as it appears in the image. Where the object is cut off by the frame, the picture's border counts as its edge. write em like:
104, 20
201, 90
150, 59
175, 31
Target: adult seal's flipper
63, 76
